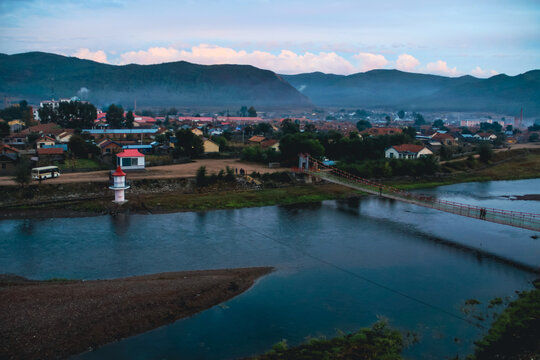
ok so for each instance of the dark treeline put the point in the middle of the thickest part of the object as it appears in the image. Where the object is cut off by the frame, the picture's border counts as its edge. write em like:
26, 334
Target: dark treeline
363, 156
71, 115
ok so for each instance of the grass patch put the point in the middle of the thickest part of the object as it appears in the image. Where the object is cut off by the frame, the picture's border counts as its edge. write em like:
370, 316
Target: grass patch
250, 198
377, 342
515, 333
86, 164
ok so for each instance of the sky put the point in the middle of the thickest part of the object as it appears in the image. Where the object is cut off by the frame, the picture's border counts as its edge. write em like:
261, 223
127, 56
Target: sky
451, 38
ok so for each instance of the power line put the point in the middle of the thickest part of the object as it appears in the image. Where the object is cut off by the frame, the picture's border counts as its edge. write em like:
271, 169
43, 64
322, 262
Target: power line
361, 277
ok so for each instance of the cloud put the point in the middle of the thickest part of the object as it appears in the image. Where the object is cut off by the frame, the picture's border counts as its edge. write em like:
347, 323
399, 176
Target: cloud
98, 56
370, 61
478, 72
440, 67
286, 62
406, 62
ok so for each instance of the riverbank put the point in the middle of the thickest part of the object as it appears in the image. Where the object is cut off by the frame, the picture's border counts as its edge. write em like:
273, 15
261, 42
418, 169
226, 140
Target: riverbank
506, 165
176, 201
57, 318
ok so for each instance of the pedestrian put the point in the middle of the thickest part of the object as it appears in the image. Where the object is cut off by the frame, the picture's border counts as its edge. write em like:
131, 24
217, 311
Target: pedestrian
236, 171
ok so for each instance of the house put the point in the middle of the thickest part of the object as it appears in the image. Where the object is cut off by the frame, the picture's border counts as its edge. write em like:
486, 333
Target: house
64, 136
130, 159
272, 143
257, 139
485, 136
381, 131
45, 141
444, 138
108, 146
50, 154
407, 151
16, 125
210, 146
16, 139
197, 132
8, 158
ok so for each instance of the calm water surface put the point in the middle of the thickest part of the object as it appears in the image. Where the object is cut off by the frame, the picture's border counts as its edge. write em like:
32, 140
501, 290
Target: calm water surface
340, 266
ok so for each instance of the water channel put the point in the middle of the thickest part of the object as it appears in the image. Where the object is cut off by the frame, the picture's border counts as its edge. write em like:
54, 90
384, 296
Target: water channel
340, 266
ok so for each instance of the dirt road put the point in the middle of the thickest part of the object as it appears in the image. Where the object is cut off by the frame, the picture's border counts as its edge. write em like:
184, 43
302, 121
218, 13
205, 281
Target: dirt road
158, 172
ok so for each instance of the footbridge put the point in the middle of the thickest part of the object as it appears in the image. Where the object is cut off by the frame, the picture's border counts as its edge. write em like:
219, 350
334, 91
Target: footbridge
332, 174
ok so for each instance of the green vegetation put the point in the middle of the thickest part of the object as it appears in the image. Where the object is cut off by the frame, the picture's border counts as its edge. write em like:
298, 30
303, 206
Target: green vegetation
379, 342
514, 334
20, 111
22, 172
188, 144
240, 199
78, 164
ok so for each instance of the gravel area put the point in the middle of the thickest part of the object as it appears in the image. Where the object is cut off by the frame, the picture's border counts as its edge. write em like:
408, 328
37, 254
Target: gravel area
59, 318
156, 172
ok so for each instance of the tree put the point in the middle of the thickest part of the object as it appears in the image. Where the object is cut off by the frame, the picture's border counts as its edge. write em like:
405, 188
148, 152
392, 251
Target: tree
243, 111
263, 128
289, 127
291, 145
32, 137
188, 144
310, 128
22, 172
201, 176
115, 116
534, 137
172, 111
78, 146
362, 125
129, 119
410, 131
252, 112
485, 152
388, 120
401, 114
509, 128
4, 129
438, 124
419, 119
47, 114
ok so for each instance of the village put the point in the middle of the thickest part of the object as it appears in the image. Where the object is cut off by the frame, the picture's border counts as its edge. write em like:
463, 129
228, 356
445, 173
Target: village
135, 142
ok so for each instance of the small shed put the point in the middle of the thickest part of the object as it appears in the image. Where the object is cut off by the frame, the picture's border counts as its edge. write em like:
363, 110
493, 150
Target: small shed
130, 159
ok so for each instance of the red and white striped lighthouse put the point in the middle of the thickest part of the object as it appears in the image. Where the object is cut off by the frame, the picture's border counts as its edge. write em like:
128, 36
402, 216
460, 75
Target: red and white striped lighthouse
119, 185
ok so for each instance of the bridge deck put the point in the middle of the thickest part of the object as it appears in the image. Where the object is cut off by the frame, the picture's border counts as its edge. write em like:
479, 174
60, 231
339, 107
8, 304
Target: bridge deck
513, 218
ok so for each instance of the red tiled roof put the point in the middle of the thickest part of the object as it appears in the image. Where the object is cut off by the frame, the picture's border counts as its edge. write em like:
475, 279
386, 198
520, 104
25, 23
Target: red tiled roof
257, 139
130, 153
441, 136
408, 148
6, 148
50, 151
382, 131
269, 143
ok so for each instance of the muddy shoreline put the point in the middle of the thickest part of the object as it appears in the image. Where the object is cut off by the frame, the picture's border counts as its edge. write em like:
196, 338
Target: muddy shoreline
58, 318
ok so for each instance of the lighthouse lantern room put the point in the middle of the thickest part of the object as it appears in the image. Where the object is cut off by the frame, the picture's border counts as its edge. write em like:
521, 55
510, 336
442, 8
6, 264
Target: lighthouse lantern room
119, 185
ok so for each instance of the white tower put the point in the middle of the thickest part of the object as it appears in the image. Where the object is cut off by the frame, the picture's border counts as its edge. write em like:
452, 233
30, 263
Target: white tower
119, 185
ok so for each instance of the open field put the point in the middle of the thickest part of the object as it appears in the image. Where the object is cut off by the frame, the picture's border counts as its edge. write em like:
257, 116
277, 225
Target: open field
158, 172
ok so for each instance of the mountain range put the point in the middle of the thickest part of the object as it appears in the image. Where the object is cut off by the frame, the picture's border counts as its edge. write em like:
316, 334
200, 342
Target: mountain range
421, 92
36, 76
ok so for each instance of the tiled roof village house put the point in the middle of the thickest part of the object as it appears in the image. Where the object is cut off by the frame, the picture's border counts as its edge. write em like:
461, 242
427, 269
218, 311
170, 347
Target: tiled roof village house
407, 151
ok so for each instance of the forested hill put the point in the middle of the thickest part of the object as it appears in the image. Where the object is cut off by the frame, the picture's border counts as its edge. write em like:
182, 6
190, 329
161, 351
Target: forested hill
37, 76
410, 91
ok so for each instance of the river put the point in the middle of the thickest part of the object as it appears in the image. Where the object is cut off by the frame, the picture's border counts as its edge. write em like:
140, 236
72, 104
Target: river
340, 266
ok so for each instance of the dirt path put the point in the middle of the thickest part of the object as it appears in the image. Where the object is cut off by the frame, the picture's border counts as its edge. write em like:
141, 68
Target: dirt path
55, 319
158, 172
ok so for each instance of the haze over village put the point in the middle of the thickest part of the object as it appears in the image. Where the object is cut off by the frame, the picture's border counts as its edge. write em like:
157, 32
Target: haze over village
269, 180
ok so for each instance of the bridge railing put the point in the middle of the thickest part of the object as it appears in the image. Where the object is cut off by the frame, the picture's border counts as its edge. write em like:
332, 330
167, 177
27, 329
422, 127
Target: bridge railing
509, 217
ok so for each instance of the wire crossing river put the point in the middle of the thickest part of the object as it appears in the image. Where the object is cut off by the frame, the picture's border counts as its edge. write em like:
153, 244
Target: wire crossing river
341, 265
